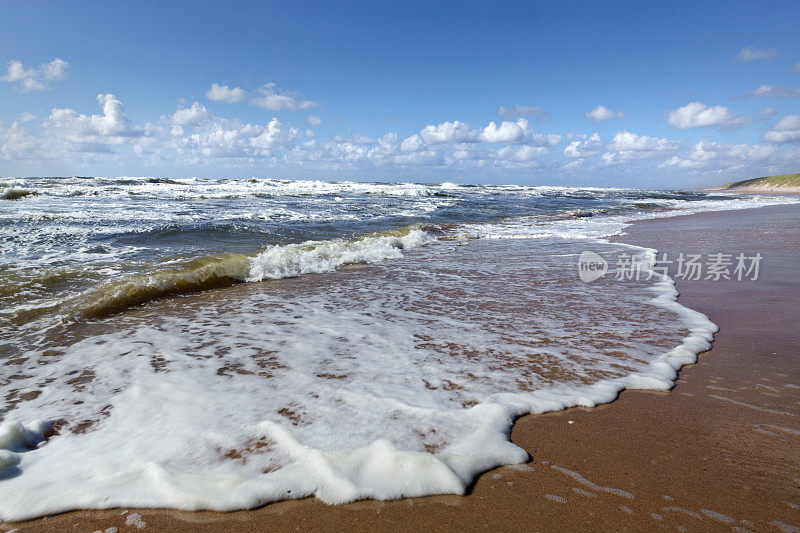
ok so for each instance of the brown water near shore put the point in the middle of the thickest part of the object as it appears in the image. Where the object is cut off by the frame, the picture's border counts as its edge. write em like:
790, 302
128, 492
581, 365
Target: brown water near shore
720, 451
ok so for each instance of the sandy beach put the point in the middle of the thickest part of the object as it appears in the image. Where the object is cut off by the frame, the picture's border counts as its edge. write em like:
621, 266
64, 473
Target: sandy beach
720, 451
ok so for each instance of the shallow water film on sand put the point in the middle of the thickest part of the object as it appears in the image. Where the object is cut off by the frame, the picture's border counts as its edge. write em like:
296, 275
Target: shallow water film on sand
219, 344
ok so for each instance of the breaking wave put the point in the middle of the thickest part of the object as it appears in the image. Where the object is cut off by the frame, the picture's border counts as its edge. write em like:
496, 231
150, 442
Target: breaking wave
275, 262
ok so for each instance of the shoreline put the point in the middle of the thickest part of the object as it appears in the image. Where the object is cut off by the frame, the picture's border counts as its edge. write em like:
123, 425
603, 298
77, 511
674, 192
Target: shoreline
697, 460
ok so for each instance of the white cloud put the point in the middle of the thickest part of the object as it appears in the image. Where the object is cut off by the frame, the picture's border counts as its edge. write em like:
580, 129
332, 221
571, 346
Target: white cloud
774, 91
601, 113
506, 132
214, 137
425, 157
273, 99
520, 154
26, 79
707, 155
625, 141
26, 117
756, 54
18, 143
224, 93
189, 116
93, 133
584, 148
314, 120
448, 132
699, 115
627, 146
519, 111
544, 139
273, 137
785, 131
387, 146
192, 135
412, 144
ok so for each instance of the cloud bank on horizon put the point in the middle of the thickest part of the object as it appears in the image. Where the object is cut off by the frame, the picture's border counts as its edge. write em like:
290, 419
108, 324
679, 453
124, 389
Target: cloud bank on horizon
224, 132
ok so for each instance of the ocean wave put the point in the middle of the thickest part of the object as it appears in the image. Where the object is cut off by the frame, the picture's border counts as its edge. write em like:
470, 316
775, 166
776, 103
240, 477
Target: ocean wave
222, 270
202, 273
398, 384
200, 189
293, 260
16, 194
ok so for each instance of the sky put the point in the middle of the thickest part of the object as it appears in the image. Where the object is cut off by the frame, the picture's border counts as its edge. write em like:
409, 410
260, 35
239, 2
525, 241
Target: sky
641, 94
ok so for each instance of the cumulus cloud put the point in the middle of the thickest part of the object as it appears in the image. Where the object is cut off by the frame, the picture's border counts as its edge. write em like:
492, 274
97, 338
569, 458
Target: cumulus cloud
26, 79
699, 115
214, 137
506, 132
314, 120
193, 135
787, 130
448, 132
424, 157
544, 139
625, 141
459, 144
18, 143
585, 147
91, 133
774, 91
705, 155
224, 93
519, 111
520, 154
627, 146
273, 137
412, 144
601, 113
189, 116
273, 99
752, 53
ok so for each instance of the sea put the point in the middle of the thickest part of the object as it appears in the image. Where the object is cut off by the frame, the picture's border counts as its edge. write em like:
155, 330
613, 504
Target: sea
222, 344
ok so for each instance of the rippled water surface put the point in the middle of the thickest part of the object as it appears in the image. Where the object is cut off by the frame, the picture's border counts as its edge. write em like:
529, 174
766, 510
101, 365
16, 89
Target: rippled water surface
221, 344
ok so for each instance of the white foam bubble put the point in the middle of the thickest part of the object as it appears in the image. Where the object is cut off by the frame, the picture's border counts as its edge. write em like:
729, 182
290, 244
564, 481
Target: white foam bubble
385, 384
323, 256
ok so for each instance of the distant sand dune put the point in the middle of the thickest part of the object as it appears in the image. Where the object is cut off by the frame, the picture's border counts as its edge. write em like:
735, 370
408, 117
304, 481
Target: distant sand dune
785, 183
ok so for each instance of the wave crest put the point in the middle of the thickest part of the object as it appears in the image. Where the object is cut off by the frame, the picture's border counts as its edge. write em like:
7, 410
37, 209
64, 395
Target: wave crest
203, 273
315, 257
276, 262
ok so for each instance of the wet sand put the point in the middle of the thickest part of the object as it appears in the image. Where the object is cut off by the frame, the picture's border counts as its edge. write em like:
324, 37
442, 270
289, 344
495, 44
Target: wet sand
720, 451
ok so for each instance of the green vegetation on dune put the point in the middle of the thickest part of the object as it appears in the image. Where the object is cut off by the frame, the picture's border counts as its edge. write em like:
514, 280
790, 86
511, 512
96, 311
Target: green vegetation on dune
784, 180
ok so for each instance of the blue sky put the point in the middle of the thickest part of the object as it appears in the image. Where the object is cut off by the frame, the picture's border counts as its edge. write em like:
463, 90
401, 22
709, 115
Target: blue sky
692, 93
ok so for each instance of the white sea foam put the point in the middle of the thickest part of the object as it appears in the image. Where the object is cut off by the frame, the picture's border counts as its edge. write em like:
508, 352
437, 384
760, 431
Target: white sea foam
382, 385
604, 226
400, 379
291, 260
